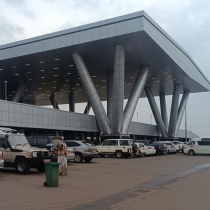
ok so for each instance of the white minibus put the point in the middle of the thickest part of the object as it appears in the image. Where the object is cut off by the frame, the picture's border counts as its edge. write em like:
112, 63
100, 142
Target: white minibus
197, 146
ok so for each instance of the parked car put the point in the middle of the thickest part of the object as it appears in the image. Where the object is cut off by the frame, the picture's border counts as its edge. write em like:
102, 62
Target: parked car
48, 142
82, 150
19, 154
150, 150
141, 149
170, 147
196, 146
118, 147
160, 148
178, 145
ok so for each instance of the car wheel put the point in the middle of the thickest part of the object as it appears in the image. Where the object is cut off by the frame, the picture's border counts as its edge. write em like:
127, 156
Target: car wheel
191, 152
102, 155
22, 166
40, 169
168, 152
118, 154
87, 160
78, 158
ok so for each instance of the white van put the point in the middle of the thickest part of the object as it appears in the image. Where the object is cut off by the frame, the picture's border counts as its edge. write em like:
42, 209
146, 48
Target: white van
197, 146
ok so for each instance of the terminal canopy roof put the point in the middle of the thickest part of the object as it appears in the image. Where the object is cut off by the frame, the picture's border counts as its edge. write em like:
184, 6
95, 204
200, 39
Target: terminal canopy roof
45, 63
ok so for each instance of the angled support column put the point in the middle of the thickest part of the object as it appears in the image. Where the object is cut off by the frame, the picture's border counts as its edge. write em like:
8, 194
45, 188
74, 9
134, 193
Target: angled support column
18, 93
164, 109
53, 101
118, 89
134, 97
71, 101
92, 94
87, 108
174, 111
181, 109
156, 112
109, 94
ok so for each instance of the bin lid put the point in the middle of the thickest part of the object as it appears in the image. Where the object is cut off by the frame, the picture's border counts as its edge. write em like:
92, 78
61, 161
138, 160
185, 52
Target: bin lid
52, 163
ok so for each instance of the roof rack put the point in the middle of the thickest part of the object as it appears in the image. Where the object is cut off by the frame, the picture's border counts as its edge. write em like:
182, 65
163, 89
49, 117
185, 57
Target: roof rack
8, 130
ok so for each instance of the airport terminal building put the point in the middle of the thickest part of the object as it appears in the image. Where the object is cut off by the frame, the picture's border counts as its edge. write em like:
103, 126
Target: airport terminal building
127, 57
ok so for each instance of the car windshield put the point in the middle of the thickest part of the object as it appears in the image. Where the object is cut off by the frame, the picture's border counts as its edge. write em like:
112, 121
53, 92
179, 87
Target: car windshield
18, 140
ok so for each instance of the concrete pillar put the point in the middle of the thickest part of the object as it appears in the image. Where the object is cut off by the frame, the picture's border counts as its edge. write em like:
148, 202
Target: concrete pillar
118, 89
87, 108
134, 97
174, 111
109, 94
18, 93
164, 109
71, 101
53, 101
156, 112
92, 94
181, 110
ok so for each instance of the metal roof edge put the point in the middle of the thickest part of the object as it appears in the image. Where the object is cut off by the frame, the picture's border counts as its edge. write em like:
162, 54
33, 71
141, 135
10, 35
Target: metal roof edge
175, 43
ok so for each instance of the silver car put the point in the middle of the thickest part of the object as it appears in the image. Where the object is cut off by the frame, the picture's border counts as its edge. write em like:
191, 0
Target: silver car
82, 150
170, 147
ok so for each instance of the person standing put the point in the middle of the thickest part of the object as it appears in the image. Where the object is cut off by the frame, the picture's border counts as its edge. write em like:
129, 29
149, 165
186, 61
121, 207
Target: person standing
62, 158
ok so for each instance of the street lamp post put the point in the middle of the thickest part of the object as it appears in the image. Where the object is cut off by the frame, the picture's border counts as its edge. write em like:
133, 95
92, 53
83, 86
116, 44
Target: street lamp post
186, 123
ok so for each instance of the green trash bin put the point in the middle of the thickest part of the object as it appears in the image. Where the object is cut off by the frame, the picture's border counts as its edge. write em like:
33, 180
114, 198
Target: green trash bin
51, 173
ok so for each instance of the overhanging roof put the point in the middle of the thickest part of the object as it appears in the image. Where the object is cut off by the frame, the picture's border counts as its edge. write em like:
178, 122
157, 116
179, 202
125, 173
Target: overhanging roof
145, 44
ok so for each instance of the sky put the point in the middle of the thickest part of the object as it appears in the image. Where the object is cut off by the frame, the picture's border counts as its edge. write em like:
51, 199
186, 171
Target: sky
186, 21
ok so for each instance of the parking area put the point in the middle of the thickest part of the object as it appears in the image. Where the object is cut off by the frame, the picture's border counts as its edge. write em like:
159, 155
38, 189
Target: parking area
106, 183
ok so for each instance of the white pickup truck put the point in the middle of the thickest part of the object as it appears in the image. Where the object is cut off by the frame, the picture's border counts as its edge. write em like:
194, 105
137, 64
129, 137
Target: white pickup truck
118, 147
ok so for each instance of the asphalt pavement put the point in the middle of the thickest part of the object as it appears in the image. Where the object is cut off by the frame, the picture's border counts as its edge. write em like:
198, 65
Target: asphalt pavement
160, 182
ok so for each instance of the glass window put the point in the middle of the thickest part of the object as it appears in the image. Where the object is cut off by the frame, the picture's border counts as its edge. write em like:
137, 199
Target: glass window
204, 143
205, 139
2, 142
191, 143
76, 144
124, 143
131, 142
18, 140
41, 142
69, 144
113, 142
32, 142
106, 143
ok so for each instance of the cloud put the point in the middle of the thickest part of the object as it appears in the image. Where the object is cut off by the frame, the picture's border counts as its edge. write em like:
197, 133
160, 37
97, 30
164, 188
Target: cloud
9, 32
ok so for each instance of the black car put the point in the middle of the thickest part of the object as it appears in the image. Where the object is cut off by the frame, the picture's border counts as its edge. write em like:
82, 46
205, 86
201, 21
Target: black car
40, 141
159, 147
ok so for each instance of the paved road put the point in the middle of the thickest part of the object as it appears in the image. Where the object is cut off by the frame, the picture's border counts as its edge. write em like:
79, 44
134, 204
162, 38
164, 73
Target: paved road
163, 182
